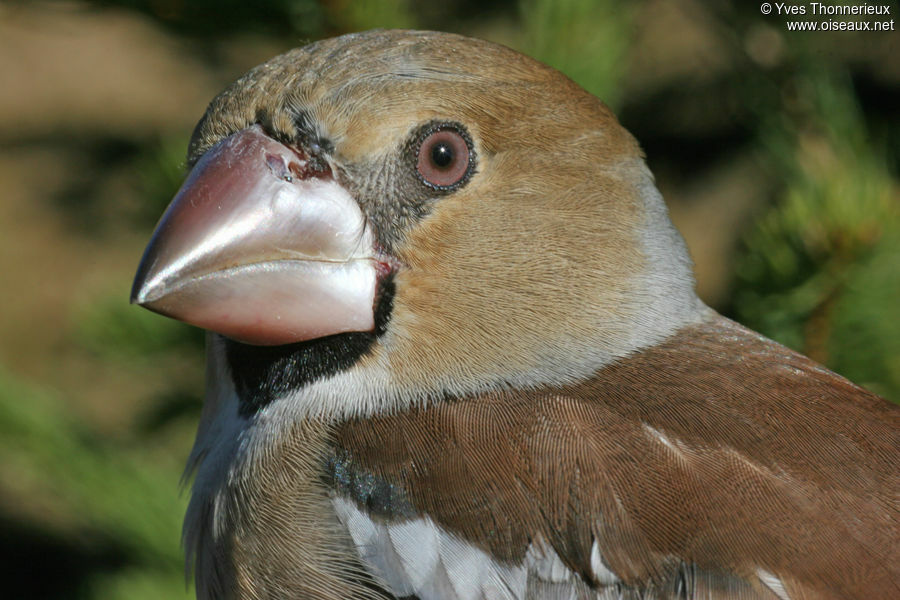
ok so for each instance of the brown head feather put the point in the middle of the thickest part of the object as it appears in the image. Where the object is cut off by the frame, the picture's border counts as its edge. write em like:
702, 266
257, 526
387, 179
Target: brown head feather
555, 258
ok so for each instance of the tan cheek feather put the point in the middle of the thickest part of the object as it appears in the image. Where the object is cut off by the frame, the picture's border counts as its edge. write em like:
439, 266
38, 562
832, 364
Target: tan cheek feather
497, 281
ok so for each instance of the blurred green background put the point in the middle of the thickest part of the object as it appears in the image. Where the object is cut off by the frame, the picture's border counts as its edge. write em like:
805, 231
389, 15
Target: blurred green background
777, 152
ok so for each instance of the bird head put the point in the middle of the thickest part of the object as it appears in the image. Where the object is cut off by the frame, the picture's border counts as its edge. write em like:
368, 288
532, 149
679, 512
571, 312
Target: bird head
408, 215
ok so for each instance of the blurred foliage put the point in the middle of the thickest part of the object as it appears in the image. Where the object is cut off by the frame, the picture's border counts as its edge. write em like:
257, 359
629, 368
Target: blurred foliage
95, 490
82, 201
160, 168
820, 271
588, 40
222, 17
115, 331
119, 335
140, 178
818, 268
357, 15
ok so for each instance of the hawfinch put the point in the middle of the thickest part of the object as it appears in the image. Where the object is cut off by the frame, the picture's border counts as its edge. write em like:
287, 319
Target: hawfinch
455, 352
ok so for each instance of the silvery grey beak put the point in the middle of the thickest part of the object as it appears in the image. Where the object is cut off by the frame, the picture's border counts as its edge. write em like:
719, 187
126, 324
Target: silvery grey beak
260, 246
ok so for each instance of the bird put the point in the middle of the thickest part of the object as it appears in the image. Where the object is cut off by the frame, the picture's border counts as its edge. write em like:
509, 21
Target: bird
454, 351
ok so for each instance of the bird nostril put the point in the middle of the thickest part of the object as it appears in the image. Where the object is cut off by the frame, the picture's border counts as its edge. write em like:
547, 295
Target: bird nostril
279, 169
289, 168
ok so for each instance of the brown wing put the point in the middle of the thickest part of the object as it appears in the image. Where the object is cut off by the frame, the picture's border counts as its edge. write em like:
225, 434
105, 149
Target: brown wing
715, 463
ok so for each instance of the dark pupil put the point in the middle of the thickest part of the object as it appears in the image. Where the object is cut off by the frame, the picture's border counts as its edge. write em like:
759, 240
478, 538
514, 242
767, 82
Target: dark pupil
441, 155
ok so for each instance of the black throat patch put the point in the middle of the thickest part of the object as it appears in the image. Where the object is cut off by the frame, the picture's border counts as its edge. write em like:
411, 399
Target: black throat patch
263, 373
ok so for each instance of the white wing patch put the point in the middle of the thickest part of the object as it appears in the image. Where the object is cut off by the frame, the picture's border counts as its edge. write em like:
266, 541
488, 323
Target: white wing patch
546, 564
602, 573
771, 581
417, 543
417, 557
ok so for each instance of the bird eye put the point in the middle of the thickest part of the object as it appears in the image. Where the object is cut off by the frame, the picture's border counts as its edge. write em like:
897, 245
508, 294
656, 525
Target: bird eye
443, 159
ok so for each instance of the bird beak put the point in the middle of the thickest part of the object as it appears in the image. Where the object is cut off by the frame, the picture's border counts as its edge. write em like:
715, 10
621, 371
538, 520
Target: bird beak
262, 245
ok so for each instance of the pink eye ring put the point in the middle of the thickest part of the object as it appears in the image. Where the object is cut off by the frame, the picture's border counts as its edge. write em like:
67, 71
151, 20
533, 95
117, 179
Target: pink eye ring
444, 158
